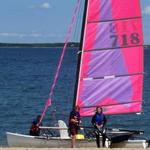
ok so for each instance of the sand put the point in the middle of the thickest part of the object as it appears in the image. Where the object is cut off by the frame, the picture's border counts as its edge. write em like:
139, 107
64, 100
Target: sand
14, 148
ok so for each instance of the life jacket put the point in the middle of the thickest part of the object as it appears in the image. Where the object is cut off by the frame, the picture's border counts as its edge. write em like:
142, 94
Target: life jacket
99, 118
34, 130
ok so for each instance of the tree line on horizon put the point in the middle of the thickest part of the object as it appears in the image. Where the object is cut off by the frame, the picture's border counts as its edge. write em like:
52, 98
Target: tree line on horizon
70, 44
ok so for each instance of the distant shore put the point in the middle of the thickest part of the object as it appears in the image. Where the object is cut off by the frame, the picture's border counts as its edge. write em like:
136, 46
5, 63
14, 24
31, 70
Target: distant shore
146, 46
43, 45
37, 45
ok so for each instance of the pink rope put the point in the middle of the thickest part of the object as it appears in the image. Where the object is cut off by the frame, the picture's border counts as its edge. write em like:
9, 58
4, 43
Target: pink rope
48, 103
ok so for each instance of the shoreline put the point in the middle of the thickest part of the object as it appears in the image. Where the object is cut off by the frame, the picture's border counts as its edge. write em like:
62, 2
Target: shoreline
37, 47
145, 47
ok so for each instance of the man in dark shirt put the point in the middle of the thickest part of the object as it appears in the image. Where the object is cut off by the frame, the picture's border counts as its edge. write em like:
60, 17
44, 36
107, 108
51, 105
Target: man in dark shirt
98, 121
34, 130
74, 121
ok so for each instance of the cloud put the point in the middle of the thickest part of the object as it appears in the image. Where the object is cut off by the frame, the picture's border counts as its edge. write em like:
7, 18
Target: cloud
5, 34
146, 10
30, 35
44, 5
35, 35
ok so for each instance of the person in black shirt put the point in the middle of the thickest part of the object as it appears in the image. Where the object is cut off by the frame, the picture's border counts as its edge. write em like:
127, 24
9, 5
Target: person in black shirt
34, 130
74, 121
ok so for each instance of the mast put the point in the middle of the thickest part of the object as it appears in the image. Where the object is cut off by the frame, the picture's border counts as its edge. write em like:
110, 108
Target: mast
80, 50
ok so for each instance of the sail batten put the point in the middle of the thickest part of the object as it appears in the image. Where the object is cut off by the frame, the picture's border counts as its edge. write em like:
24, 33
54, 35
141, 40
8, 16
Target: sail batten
112, 76
135, 101
123, 108
113, 48
111, 67
115, 20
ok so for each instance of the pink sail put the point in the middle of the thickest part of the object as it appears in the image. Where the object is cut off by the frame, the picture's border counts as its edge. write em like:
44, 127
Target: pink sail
111, 67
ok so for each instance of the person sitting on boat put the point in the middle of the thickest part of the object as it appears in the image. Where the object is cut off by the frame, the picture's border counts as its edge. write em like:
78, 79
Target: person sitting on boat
99, 121
34, 130
74, 121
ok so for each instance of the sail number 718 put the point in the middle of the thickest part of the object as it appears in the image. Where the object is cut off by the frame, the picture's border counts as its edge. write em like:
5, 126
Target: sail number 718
125, 40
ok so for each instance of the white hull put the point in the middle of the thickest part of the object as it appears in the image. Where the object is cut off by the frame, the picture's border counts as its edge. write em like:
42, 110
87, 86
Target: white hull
20, 140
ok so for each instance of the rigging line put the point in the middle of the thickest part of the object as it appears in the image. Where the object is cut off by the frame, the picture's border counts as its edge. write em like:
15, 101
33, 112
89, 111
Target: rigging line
74, 35
80, 48
76, 24
48, 103
79, 21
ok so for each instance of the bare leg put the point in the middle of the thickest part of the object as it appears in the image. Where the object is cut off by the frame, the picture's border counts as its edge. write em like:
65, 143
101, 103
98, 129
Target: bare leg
73, 143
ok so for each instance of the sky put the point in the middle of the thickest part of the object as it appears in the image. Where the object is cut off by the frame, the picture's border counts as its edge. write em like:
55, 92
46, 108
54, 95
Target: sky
47, 21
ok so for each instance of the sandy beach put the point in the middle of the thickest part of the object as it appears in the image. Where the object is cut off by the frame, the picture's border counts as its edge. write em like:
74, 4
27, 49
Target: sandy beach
20, 148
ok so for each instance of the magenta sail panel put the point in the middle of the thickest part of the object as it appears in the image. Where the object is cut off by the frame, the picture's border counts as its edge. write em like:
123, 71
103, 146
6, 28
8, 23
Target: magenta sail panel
112, 62
113, 91
110, 91
103, 10
113, 34
111, 67
134, 107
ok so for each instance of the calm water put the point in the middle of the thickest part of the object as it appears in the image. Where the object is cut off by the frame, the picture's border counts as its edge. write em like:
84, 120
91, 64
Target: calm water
26, 76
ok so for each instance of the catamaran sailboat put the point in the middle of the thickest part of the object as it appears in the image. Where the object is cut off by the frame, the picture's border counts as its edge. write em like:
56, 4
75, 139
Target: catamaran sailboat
115, 138
109, 73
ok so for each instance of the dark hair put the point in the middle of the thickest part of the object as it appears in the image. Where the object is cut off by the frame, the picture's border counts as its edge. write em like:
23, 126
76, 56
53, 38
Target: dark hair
98, 108
38, 117
76, 107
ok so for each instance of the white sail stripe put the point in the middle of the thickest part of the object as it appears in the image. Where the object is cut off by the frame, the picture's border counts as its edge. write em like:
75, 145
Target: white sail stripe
105, 77
109, 77
88, 79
